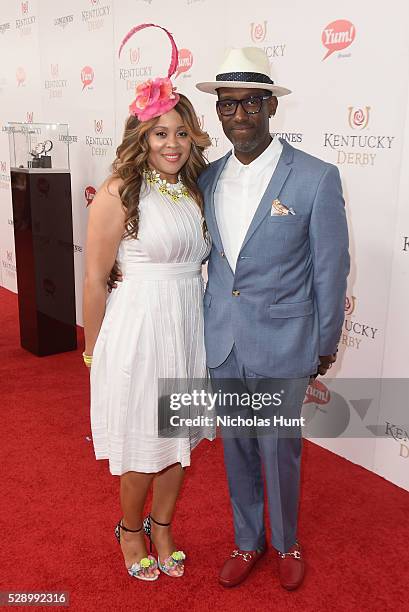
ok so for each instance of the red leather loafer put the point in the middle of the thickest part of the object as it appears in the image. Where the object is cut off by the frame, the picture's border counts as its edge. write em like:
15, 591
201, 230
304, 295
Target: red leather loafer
238, 566
291, 568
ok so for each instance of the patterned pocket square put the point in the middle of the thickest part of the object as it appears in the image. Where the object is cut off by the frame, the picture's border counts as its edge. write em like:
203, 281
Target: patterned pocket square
278, 209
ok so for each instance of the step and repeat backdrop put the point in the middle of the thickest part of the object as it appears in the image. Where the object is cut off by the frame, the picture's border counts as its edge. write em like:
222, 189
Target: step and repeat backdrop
348, 68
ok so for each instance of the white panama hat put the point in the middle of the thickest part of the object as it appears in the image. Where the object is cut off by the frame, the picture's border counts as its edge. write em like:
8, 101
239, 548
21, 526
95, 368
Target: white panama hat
247, 67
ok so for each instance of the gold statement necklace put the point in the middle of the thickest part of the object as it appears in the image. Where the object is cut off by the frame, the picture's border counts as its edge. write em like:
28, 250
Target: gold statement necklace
174, 190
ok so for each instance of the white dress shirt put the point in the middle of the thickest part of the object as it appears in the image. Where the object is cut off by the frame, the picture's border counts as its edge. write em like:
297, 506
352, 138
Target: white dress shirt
238, 194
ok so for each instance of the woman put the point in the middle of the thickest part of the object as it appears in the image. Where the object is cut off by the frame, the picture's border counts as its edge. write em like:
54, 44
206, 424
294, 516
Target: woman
149, 217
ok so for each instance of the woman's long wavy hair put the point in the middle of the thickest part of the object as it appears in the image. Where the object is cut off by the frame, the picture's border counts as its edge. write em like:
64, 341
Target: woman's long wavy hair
132, 159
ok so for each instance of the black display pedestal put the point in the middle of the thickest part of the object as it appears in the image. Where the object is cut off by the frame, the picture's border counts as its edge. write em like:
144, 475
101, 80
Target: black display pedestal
42, 214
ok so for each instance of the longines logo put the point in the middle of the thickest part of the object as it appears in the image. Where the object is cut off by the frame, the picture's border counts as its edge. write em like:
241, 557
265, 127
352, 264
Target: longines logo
358, 118
99, 144
87, 77
8, 263
258, 34
400, 435
89, 193
55, 85
354, 331
289, 136
364, 146
4, 175
63, 22
95, 16
4, 27
67, 139
185, 61
24, 24
338, 35
20, 76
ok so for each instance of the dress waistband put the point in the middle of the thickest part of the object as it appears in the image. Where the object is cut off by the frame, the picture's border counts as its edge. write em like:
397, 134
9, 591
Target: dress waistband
161, 271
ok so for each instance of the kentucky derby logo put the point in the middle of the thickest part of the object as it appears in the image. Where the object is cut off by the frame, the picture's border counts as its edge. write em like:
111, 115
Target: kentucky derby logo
9, 255
358, 118
317, 393
54, 70
30, 116
98, 126
135, 55
185, 61
3, 166
89, 194
24, 8
258, 31
349, 304
201, 120
20, 76
337, 35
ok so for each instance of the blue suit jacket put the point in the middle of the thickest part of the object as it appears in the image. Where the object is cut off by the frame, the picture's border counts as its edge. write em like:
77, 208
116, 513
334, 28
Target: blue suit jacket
284, 305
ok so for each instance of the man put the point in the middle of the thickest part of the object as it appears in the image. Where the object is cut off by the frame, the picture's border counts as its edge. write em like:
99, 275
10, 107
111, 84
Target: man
274, 302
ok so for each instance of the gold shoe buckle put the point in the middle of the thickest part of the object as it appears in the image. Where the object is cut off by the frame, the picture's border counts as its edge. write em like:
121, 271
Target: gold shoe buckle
246, 556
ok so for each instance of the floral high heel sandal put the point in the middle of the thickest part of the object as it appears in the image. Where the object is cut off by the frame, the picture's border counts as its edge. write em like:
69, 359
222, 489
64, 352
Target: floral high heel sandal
175, 560
137, 570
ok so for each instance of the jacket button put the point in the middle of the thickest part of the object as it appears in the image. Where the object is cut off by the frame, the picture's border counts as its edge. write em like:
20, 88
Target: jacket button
222, 253
235, 292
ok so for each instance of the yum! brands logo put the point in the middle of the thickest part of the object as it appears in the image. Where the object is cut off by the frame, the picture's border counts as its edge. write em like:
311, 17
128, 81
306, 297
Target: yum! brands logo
338, 35
258, 31
87, 77
185, 61
358, 118
89, 193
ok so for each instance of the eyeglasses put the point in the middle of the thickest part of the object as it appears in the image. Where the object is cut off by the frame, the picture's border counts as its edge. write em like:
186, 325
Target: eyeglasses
251, 105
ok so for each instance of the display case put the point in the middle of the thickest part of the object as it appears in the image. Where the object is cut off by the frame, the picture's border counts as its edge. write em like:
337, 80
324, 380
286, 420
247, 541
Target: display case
39, 146
43, 234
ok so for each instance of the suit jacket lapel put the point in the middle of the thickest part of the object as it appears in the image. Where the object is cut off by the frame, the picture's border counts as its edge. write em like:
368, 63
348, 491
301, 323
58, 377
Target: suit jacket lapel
214, 229
274, 187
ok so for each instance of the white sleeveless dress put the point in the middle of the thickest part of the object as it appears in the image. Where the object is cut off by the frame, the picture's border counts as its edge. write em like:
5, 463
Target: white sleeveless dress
152, 329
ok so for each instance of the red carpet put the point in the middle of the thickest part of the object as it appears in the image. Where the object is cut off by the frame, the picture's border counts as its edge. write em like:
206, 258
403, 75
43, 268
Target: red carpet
59, 507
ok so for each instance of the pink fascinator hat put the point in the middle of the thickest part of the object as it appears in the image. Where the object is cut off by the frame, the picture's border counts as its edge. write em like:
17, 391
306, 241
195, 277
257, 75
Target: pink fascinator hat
157, 96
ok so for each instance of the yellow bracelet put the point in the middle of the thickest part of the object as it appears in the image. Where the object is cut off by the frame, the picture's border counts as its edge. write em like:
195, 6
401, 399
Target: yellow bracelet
87, 359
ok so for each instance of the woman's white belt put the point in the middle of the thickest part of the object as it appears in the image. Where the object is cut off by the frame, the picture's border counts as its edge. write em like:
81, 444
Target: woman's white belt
161, 271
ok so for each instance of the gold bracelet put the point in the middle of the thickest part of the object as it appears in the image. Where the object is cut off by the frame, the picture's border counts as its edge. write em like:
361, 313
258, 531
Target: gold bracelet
87, 359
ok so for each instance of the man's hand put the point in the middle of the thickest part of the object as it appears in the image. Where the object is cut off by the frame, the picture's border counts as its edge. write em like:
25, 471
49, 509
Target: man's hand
115, 277
326, 362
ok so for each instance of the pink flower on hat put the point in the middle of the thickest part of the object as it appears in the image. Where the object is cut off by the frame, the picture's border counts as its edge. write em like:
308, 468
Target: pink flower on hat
154, 98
